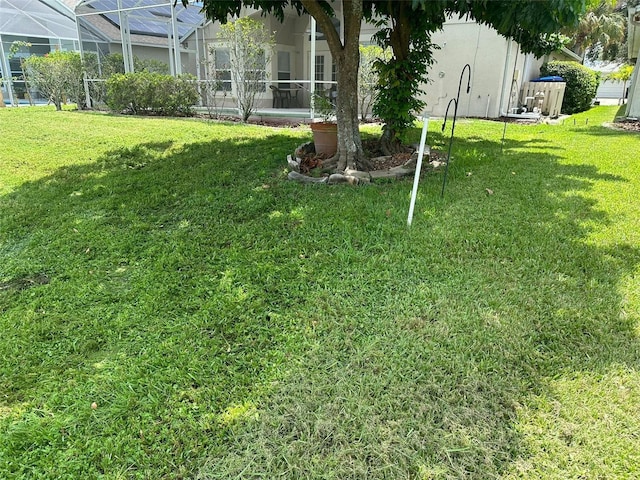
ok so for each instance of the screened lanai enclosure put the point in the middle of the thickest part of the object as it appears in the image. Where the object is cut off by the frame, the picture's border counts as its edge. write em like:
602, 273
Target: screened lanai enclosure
124, 36
129, 35
120, 36
151, 33
31, 27
163, 31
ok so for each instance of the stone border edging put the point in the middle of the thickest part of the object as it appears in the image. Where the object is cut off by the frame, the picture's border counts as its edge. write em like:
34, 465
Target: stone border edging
354, 177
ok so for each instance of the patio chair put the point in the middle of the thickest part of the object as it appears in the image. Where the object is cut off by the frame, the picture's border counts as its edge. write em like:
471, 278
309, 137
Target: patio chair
279, 97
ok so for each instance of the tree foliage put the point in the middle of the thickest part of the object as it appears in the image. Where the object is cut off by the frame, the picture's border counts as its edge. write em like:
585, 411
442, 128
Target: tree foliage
533, 24
249, 45
367, 93
600, 30
14, 49
407, 34
114, 63
622, 74
406, 28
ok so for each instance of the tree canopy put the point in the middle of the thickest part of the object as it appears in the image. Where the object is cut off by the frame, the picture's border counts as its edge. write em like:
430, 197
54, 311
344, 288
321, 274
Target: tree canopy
600, 31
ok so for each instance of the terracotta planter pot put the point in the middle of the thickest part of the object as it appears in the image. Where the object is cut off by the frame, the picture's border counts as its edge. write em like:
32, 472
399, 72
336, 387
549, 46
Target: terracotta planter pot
325, 137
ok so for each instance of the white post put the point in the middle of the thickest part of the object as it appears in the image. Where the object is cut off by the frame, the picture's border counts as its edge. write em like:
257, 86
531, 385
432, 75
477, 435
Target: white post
87, 95
205, 54
6, 73
312, 62
172, 57
125, 38
176, 42
198, 67
505, 79
416, 178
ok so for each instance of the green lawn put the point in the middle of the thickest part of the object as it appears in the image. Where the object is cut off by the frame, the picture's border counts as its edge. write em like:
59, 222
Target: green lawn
230, 324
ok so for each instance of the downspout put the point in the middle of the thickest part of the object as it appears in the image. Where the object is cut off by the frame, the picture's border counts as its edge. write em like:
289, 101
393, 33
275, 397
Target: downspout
505, 76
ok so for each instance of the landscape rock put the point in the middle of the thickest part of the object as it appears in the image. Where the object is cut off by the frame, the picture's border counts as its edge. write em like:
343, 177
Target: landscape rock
350, 179
357, 173
300, 178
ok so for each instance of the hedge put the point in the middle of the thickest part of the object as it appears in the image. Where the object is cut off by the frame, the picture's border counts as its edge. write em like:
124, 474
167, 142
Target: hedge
152, 93
582, 84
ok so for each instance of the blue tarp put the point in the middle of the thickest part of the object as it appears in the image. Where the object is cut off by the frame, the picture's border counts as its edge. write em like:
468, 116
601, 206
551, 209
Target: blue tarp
549, 79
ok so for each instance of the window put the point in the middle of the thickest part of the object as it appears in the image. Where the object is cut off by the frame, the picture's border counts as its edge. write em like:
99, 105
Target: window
334, 75
284, 68
319, 69
222, 70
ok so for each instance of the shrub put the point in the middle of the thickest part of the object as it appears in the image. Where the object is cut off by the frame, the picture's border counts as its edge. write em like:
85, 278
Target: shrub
582, 84
151, 93
58, 75
114, 63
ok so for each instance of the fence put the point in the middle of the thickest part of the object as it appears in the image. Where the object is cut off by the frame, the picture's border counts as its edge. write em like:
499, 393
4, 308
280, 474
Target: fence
545, 96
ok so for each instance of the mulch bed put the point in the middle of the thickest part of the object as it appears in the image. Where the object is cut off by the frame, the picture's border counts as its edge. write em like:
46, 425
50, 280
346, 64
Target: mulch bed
629, 125
371, 148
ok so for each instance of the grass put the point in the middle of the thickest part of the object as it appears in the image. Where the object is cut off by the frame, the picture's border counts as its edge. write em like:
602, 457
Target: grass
228, 323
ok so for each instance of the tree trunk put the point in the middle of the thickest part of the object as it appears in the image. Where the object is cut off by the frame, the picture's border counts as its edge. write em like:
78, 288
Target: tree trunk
350, 153
347, 57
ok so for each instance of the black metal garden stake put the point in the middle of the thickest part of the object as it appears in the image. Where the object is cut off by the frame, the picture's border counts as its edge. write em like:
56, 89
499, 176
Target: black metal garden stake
455, 116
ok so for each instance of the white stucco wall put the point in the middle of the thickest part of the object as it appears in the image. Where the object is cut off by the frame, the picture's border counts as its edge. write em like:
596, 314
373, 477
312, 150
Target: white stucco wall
633, 103
491, 58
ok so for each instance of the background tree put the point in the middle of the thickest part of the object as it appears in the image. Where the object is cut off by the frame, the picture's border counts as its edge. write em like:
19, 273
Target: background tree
623, 74
345, 54
249, 45
600, 31
114, 63
367, 92
20, 46
215, 89
407, 33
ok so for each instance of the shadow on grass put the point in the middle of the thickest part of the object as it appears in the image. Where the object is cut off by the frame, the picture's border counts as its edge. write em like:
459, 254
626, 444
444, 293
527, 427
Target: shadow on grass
606, 131
227, 322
